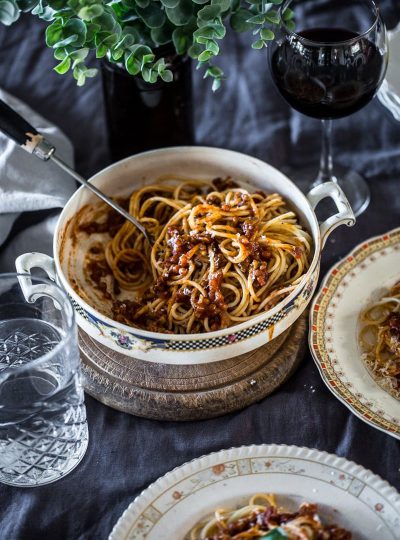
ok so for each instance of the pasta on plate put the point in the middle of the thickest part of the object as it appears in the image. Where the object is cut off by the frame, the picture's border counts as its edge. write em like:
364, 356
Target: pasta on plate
380, 340
221, 255
262, 519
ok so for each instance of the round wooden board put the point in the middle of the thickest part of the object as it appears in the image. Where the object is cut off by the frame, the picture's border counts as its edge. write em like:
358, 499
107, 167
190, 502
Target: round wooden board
190, 392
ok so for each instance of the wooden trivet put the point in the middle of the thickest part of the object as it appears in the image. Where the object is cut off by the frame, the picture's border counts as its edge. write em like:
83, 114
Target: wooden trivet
173, 392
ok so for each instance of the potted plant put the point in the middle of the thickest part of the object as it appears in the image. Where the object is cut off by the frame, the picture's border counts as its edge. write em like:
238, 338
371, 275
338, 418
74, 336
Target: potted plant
146, 47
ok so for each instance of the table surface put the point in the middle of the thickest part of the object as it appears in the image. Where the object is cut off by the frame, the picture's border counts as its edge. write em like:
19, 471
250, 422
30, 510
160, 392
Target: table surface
126, 453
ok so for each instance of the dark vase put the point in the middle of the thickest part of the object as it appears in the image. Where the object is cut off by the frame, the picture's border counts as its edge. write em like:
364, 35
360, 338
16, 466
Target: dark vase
142, 116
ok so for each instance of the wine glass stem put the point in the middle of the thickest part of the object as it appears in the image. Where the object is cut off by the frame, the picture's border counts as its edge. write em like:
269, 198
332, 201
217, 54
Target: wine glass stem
326, 164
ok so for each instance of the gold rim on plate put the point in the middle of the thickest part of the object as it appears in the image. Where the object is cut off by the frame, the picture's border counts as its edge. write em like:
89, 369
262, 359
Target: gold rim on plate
335, 305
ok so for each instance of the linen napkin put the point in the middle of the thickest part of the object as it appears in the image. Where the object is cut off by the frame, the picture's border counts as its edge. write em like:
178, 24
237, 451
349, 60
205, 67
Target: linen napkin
29, 184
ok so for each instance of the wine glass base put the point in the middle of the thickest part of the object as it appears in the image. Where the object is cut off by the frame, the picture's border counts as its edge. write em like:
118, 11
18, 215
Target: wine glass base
352, 183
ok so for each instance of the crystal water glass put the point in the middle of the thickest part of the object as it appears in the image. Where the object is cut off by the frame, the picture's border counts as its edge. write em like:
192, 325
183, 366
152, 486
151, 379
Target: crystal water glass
43, 428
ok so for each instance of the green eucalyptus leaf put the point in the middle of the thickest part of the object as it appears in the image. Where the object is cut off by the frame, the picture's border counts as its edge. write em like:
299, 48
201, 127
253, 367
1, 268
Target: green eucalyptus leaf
206, 32
104, 39
152, 15
60, 53
91, 31
259, 44
288, 15
162, 35
79, 75
167, 76
213, 71
129, 16
268, 7
88, 13
92, 72
78, 56
209, 12
205, 56
106, 21
101, 51
127, 4
56, 4
9, 12
239, 21
43, 11
146, 74
171, 3
210, 31
132, 64
67, 41
147, 59
75, 5
257, 19
182, 39
220, 30
47, 14
63, 66
117, 54
77, 27
26, 5
272, 17
123, 29
54, 33
213, 47
60, 35
181, 14
267, 34
195, 50
223, 4
159, 65
216, 85
63, 14
140, 50
128, 38
291, 25
121, 11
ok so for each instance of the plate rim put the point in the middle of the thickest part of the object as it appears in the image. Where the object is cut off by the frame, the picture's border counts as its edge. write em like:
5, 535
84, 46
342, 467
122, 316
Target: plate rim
123, 526
311, 332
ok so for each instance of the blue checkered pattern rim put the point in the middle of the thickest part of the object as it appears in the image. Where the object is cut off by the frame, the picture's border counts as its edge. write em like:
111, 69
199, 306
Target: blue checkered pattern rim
194, 345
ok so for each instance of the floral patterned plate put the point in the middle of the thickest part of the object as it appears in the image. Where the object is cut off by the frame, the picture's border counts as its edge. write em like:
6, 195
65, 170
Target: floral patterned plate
346, 493
361, 277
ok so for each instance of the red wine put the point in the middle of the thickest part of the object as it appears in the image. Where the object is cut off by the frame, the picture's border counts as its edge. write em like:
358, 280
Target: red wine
326, 77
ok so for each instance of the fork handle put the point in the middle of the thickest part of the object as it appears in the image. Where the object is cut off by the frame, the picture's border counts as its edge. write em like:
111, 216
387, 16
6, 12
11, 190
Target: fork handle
20, 131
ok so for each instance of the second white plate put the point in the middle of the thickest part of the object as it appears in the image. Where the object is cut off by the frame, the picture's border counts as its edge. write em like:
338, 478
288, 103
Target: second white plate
349, 286
346, 493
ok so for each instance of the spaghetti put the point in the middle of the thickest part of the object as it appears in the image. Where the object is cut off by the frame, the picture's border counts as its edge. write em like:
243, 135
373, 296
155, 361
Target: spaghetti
261, 518
380, 340
221, 255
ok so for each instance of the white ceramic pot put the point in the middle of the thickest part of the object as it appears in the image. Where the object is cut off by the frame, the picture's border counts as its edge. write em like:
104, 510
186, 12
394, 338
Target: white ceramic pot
193, 162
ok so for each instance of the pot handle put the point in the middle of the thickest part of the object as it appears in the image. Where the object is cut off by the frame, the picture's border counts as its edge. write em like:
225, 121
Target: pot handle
345, 216
24, 264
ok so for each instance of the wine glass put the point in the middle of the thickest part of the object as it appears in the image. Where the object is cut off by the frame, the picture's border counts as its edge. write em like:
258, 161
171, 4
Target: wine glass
328, 61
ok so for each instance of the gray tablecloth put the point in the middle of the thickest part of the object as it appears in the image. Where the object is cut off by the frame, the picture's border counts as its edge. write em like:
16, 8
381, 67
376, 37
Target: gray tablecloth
126, 453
